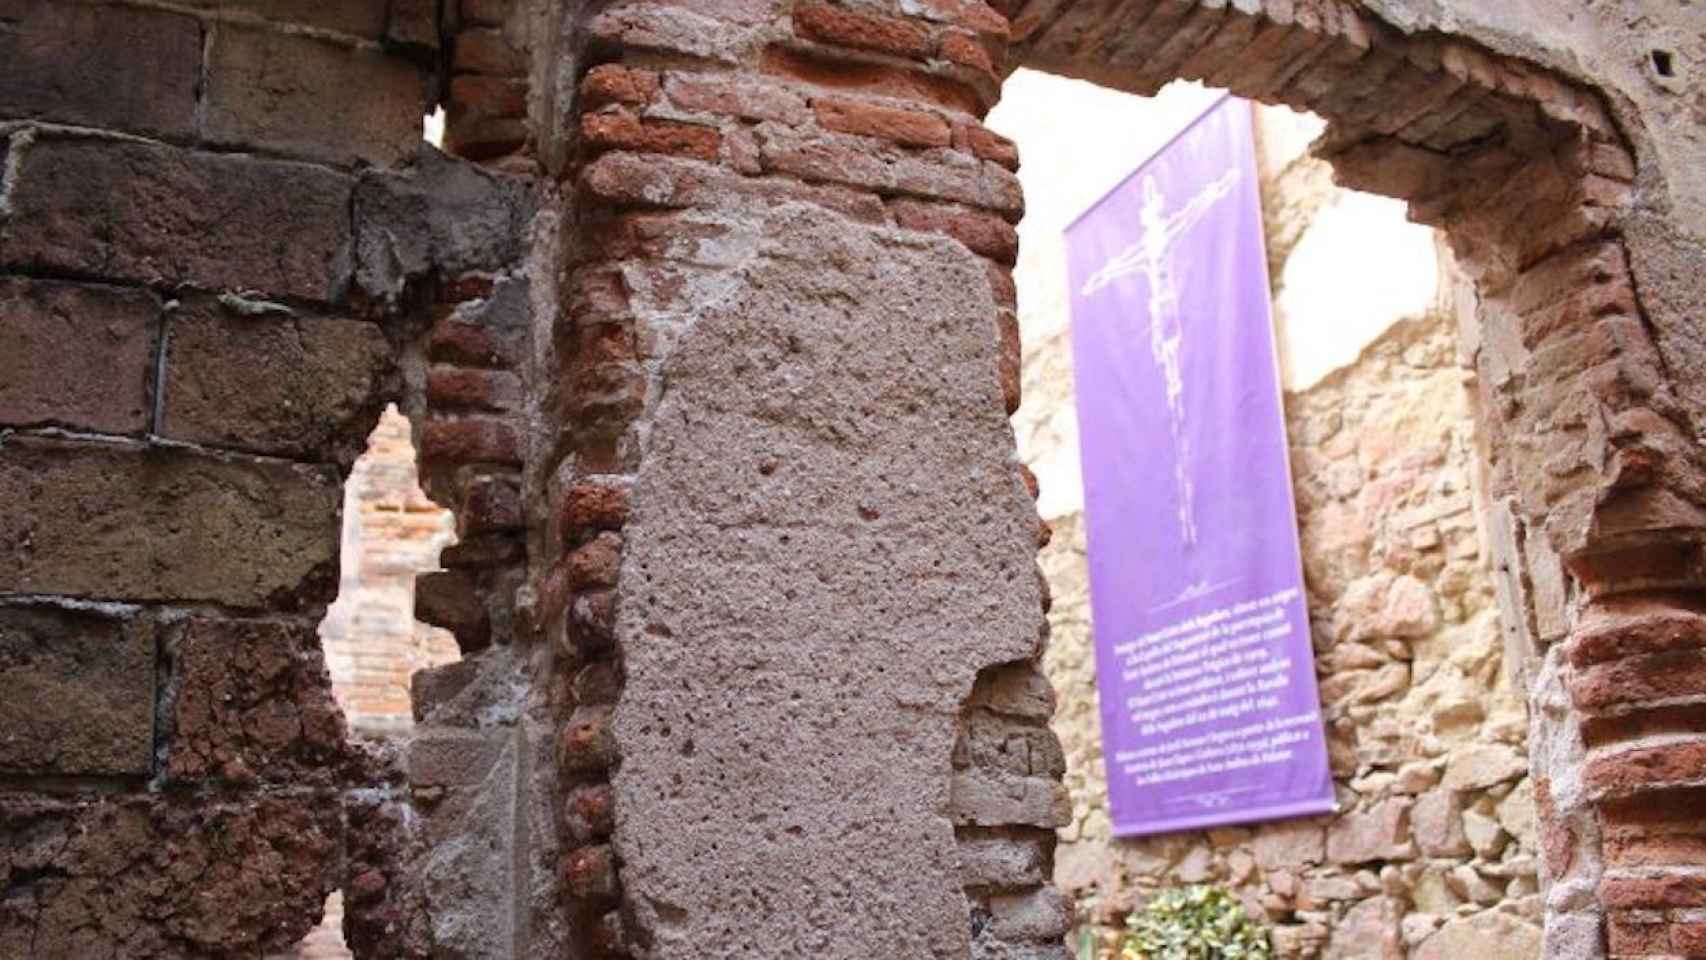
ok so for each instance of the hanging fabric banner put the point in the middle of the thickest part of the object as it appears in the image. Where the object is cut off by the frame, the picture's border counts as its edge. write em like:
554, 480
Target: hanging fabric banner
1210, 713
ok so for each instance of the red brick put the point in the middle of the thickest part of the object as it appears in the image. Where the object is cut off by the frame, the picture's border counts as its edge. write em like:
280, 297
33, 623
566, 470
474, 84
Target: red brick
79, 692
974, 15
593, 506
596, 563
590, 623
169, 875
468, 344
590, 812
293, 386
1688, 939
1675, 719
907, 127
589, 873
1619, 627
360, 18
292, 94
586, 744
488, 52
161, 215
473, 135
1653, 892
1628, 771
863, 31
616, 130
100, 66
486, 12
491, 504
479, 98
967, 51
1632, 936
128, 522
986, 144
878, 79
612, 83
1639, 680
470, 388
470, 440
254, 703
81, 355
736, 96
451, 599
981, 231
631, 180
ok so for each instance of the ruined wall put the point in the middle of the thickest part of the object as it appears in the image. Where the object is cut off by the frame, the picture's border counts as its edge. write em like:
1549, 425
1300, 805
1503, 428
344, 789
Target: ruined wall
665, 277
1426, 731
216, 268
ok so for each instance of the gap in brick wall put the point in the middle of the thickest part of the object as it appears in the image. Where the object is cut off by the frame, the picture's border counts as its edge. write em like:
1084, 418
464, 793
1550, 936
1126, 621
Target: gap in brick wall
1426, 729
392, 532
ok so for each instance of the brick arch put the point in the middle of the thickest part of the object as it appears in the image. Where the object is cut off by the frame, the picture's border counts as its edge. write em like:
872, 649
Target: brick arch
688, 115
1597, 479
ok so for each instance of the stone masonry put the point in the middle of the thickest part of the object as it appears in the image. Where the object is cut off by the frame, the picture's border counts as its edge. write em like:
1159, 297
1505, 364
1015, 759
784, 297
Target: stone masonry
1427, 731
705, 328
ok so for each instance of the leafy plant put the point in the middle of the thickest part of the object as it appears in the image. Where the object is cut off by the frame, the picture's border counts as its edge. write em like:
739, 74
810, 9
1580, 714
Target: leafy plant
1194, 923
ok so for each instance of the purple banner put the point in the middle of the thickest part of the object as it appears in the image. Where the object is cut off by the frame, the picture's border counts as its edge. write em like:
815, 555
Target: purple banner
1209, 709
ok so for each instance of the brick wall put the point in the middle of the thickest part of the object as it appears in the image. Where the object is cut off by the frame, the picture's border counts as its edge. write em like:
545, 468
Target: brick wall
690, 356
216, 267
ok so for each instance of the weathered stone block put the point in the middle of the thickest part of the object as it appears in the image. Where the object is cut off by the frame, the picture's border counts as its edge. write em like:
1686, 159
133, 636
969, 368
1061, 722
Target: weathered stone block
297, 95
79, 692
1481, 765
128, 522
1038, 915
152, 878
1380, 832
162, 215
254, 702
445, 215
1004, 859
100, 66
1289, 844
1437, 824
80, 355
272, 382
359, 18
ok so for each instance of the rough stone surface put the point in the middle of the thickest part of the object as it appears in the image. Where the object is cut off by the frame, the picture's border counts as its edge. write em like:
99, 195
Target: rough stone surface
822, 382
154, 878
294, 95
123, 522
1494, 936
1404, 625
79, 692
76, 63
254, 703
239, 375
82, 355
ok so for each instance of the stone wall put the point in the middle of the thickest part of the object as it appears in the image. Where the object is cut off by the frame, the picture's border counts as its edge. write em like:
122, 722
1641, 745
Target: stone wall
1427, 732
706, 330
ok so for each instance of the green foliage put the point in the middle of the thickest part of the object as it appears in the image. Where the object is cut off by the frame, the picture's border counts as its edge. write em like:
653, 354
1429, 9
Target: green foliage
1194, 923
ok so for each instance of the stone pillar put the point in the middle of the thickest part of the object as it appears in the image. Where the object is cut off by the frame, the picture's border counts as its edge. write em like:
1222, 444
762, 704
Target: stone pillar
795, 536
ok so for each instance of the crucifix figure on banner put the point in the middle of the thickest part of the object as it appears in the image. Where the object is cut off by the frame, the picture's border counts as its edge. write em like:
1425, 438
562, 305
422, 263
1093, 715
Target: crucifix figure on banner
1152, 256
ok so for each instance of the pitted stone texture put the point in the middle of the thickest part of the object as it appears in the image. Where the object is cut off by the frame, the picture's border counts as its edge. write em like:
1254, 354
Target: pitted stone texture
127, 522
145, 878
795, 568
79, 692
